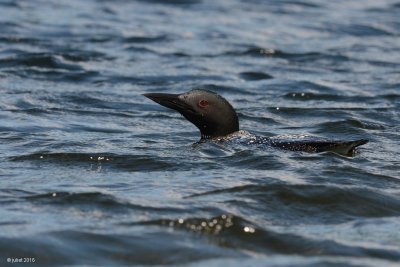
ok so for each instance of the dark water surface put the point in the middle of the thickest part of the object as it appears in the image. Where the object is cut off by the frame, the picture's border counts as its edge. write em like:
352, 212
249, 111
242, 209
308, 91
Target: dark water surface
94, 174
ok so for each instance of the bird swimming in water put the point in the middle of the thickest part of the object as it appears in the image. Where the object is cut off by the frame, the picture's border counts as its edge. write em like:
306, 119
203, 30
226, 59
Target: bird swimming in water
217, 120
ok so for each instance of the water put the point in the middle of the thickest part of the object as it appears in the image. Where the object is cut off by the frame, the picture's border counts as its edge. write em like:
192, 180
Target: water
94, 174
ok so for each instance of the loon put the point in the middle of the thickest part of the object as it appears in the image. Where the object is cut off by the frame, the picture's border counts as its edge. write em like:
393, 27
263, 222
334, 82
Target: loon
217, 120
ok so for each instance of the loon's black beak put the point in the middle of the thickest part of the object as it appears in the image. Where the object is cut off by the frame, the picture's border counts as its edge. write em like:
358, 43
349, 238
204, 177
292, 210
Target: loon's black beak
172, 101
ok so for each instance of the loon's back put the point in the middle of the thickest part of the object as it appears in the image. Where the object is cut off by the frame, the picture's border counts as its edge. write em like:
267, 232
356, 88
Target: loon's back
304, 143
346, 148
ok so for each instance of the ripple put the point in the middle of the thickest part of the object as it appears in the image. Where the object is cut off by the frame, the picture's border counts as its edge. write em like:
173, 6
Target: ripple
113, 162
254, 161
175, 2
254, 76
94, 200
359, 30
146, 39
298, 57
9, 4
222, 89
158, 80
127, 162
42, 60
42, 74
396, 5
334, 98
83, 55
347, 126
286, 3
304, 96
11, 195
19, 40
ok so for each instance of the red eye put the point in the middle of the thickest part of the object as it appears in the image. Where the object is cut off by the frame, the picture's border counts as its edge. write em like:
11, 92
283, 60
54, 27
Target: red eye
203, 103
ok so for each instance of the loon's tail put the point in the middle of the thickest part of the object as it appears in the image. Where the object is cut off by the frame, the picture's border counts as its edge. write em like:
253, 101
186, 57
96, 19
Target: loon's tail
347, 148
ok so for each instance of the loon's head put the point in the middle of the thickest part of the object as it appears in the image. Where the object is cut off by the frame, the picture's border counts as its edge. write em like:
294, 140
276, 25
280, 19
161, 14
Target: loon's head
210, 112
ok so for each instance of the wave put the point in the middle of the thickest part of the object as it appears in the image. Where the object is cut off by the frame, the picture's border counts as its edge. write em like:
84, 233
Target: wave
310, 203
235, 232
